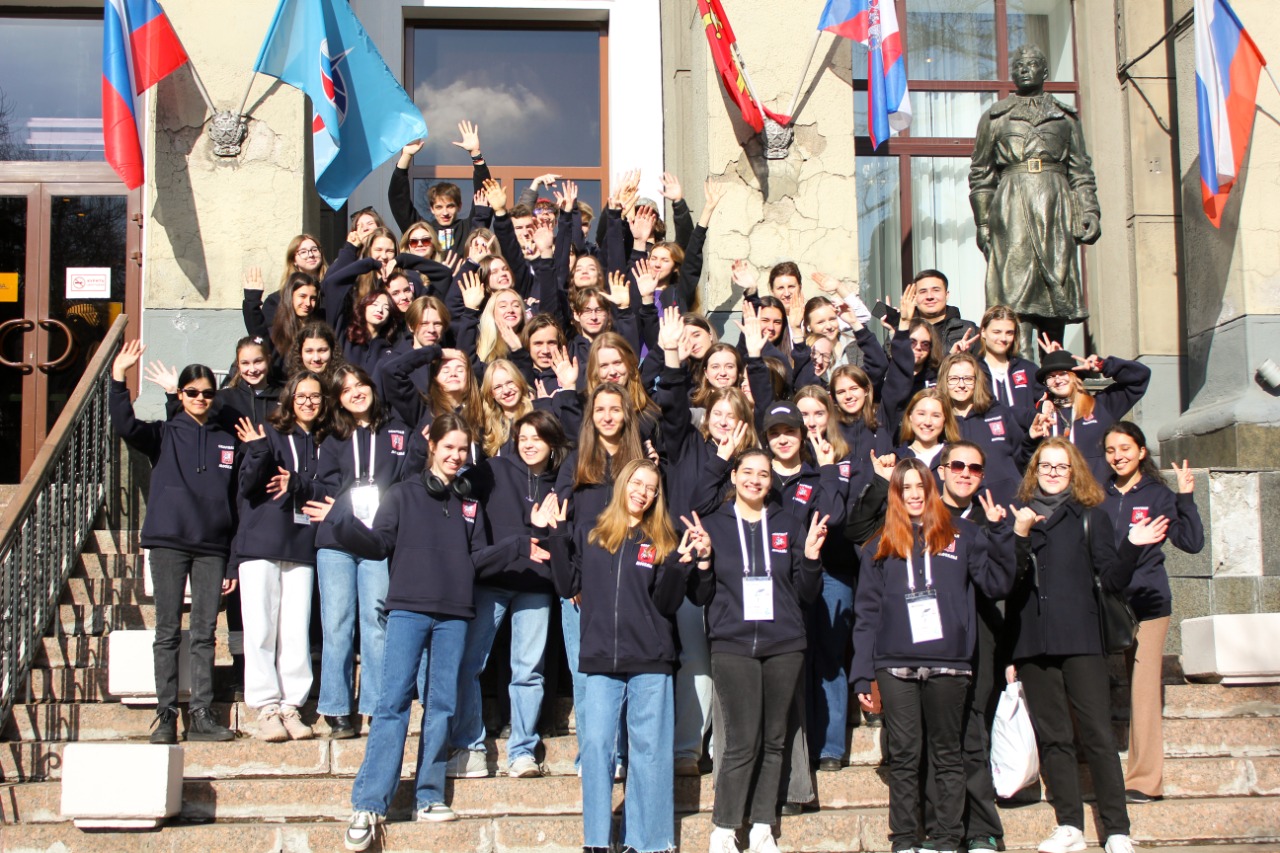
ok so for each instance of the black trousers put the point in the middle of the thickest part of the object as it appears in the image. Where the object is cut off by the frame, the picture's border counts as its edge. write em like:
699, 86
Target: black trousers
915, 712
756, 696
170, 569
1082, 680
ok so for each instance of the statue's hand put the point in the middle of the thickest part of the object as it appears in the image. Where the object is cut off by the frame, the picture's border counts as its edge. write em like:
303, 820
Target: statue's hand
984, 239
1092, 228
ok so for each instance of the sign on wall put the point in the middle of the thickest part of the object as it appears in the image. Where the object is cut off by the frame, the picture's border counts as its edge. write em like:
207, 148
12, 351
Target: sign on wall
88, 282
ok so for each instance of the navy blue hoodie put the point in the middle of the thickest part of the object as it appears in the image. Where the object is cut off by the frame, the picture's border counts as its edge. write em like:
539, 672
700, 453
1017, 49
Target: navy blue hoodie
1109, 405
509, 491
902, 382
1021, 382
628, 602
191, 501
1004, 444
881, 625
338, 465
796, 580
436, 547
1148, 591
267, 529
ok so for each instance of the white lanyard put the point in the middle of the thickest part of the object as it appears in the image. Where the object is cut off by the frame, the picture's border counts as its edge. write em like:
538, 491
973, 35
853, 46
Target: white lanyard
964, 514
928, 571
742, 542
294, 448
355, 451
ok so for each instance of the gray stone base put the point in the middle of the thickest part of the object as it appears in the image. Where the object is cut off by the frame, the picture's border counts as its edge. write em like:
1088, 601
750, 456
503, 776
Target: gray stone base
177, 338
1237, 445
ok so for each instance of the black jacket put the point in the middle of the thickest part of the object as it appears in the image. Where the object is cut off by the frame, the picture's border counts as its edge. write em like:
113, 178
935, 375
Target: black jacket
267, 528
400, 198
952, 327
1021, 382
1109, 405
796, 580
1148, 591
881, 625
628, 602
1005, 448
337, 467
191, 501
1052, 609
509, 490
901, 382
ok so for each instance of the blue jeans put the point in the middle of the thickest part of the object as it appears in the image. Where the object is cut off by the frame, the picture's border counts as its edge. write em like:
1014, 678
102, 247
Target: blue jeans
530, 615
571, 627
350, 586
408, 636
649, 804
830, 626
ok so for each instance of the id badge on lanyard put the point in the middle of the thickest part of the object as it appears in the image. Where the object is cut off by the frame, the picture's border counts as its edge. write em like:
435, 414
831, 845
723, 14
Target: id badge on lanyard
922, 607
364, 499
299, 517
757, 593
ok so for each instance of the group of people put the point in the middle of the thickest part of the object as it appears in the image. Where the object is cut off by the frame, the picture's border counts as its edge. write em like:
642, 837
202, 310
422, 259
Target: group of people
514, 412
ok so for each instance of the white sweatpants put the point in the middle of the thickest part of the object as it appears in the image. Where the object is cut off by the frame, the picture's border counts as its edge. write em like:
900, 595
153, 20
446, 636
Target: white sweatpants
275, 601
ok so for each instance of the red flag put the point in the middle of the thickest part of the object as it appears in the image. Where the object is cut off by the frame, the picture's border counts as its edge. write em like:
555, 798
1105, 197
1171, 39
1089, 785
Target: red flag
721, 40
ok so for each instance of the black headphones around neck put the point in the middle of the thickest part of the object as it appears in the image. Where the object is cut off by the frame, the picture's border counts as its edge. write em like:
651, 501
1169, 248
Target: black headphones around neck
440, 490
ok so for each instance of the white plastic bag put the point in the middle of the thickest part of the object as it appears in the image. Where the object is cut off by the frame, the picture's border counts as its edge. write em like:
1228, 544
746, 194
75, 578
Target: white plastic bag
1015, 762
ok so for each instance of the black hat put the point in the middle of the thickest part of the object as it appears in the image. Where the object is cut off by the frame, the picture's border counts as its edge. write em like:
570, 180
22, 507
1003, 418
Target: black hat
1054, 362
784, 413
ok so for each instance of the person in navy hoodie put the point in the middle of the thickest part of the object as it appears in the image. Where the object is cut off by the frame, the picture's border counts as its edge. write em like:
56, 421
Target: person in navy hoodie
914, 635
987, 423
915, 350
1136, 491
276, 555
434, 532
765, 567
1010, 379
364, 456
372, 332
189, 523
510, 486
631, 573
927, 425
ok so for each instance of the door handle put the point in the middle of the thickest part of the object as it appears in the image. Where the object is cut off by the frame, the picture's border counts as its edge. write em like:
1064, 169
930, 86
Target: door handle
7, 328
49, 324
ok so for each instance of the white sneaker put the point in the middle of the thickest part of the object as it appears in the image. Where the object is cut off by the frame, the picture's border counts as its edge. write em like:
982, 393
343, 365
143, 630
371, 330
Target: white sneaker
1119, 844
361, 831
760, 840
724, 841
1065, 839
436, 813
524, 767
467, 764
271, 727
293, 724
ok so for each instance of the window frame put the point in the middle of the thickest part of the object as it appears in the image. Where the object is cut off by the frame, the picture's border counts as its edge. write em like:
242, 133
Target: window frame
506, 174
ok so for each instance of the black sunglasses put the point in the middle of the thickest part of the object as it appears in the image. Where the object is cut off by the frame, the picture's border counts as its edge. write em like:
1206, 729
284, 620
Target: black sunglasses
957, 467
207, 393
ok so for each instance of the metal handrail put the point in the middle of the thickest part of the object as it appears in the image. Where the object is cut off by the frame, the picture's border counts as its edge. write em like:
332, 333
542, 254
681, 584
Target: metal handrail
46, 524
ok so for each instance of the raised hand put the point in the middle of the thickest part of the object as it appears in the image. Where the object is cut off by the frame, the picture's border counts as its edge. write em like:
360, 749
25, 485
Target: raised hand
619, 291
247, 431
908, 307
540, 390
546, 180
817, 536
472, 291
826, 283
652, 452
1042, 425
670, 329
569, 197
698, 540
883, 465
497, 196
1023, 519
642, 224
646, 280
726, 446
743, 275
1047, 344
671, 188
470, 141
995, 512
253, 278
544, 514
1149, 531
166, 377
317, 511
544, 239
414, 147
965, 342
752, 336
822, 451
128, 356
713, 191
278, 486
1089, 364
508, 334
480, 199
1186, 479
566, 369
451, 260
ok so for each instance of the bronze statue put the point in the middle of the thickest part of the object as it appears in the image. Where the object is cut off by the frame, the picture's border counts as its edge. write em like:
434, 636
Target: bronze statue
1032, 190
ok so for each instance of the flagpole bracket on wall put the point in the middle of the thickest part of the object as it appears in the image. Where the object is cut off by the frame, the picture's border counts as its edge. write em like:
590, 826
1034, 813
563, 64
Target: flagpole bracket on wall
227, 131
777, 139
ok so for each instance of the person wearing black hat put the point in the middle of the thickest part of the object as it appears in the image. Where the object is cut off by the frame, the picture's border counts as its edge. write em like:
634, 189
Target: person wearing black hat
1078, 416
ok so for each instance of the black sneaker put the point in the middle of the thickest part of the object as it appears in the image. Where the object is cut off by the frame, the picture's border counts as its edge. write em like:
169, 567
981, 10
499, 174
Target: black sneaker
987, 842
164, 728
340, 727
829, 765
1138, 798
201, 726
871, 720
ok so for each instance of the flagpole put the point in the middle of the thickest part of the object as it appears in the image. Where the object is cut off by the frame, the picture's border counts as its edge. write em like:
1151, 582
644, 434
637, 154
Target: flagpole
204, 93
746, 77
803, 74
1272, 77
247, 89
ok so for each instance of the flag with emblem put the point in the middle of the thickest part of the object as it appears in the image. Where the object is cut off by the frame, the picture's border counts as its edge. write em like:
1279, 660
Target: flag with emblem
721, 40
874, 24
361, 115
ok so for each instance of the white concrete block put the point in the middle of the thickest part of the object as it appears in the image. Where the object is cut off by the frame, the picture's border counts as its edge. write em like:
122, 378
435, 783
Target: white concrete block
150, 586
121, 785
131, 673
1232, 649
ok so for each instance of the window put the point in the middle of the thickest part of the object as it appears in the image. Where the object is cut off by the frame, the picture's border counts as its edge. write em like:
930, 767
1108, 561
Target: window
541, 107
957, 60
51, 87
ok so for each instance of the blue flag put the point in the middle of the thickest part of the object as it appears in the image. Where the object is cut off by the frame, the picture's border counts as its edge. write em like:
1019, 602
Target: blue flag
361, 114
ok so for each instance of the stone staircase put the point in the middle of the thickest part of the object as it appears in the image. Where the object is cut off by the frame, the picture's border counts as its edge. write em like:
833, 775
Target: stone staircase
1222, 773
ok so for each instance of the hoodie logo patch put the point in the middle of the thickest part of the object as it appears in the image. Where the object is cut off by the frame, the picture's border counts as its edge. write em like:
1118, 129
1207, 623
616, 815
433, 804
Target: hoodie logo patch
997, 427
469, 510
397, 442
803, 492
845, 470
951, 548
647, 555
778, 541
228, 457
1139, 514
1020, 379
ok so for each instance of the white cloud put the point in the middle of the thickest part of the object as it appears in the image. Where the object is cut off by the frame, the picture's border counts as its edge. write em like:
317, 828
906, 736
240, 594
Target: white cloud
488, 106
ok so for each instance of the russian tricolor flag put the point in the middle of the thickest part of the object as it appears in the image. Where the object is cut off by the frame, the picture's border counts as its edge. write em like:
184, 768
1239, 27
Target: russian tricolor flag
1228, 65
874, 24
139, 48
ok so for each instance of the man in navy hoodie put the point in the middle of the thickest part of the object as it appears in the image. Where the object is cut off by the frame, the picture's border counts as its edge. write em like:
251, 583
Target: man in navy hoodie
445, 198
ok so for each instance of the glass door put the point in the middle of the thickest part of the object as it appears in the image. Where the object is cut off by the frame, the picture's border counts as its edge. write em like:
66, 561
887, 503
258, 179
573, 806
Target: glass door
19, 249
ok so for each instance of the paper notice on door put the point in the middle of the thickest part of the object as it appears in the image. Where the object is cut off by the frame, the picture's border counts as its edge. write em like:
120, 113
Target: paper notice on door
8, 287
88, 282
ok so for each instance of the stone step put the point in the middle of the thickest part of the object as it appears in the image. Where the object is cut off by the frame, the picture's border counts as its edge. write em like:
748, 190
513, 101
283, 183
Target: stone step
113, 542
65, 651
83, 684
104, 590
1214, 701
95, 619
1241, 820
97, 566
